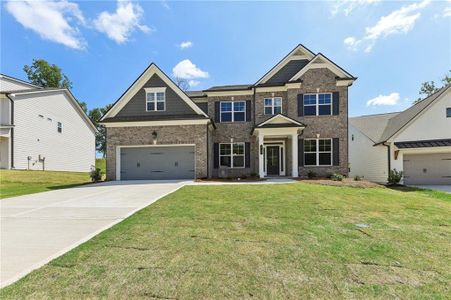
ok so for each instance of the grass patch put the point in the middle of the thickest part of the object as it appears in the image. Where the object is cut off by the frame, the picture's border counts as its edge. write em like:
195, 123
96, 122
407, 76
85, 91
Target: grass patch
287, 241
21, 182
101, 164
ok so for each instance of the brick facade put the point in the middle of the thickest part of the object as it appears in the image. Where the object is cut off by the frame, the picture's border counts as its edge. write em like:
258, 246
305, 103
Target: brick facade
167, 135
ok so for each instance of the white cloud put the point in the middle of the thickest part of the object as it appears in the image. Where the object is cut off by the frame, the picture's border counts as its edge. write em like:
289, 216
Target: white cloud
187, 70
447, 10
347, 6
398, 21
53, 21
119, 25
193, 83
391, 99
186, 44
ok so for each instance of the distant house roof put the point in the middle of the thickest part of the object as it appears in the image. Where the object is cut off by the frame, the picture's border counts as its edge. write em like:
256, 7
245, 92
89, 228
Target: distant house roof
380, 128
16, 81
234, 87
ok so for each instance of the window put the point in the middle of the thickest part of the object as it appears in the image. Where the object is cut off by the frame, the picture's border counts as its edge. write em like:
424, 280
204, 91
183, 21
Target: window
317, 104
155, 99
233, 111
318, 152
448, 112
59, 127
231, 155
273, 106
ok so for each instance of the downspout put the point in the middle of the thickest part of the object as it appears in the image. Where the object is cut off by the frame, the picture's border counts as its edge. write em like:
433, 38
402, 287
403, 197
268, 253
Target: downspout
11, 136
388, 156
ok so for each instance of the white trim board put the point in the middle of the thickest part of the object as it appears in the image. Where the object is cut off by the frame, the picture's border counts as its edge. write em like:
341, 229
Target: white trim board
139, 83
157, 123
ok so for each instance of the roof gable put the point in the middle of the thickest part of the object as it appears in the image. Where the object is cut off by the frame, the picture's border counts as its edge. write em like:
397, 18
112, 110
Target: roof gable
139, 85
280, 120
401, 120
8, 83
321, 61
288, 71
298, 53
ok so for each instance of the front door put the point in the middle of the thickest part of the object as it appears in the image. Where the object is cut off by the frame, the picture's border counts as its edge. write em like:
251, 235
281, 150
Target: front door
272, 160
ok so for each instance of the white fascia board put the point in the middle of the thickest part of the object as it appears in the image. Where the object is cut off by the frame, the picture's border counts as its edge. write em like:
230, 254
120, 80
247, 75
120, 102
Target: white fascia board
329, 65
270, 120
151, 70
307, 53
156, 123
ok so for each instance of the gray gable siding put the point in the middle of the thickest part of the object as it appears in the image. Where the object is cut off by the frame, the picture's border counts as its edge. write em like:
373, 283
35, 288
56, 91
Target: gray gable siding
137, 104
288, 71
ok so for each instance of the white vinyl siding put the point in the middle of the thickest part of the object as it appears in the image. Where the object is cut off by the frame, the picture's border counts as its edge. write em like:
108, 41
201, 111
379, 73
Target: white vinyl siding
71, 150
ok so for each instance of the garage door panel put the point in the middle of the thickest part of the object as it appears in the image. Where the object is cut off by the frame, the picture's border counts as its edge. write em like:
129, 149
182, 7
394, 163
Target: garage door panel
151, 163
427, 168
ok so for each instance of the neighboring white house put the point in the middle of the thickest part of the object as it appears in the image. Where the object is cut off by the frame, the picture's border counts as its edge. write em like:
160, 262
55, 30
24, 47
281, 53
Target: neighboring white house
43, 129
416, 141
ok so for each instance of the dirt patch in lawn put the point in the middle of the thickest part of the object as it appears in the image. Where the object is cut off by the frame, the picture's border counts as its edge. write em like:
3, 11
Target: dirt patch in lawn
345, 182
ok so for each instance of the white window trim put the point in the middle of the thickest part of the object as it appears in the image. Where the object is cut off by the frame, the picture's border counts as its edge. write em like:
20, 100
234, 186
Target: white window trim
317, 152
272, 105
317, 104
154, 91
232, 155
232, 111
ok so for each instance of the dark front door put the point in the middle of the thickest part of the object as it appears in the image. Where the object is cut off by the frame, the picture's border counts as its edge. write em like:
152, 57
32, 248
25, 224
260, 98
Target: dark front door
272, 160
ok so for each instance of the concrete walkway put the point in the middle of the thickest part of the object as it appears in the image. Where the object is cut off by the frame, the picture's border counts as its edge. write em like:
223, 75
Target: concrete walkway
443, 188
40, 227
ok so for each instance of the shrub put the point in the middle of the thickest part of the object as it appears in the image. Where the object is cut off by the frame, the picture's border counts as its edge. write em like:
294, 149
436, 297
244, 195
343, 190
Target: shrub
253, 174
394, 177
311, 174
358, 178
96, 175
336, 177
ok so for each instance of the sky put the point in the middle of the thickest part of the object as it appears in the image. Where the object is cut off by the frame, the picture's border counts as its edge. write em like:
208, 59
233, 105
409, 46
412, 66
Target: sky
103, 46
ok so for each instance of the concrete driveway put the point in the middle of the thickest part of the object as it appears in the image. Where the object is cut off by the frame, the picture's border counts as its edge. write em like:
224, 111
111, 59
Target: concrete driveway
40, 227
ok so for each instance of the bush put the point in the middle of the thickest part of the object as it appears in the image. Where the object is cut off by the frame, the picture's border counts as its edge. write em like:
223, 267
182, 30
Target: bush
311, 174
336, 177
253, 174
394, 177
96, 174
358, 178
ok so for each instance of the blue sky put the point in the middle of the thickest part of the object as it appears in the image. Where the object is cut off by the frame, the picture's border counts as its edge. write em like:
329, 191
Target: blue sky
104, 45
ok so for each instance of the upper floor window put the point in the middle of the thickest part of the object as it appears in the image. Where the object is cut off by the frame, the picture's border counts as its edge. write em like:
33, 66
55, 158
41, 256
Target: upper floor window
233, 111
231, 155
273, 106
317, 104
155, 99
448, 112
59, 127
318, 152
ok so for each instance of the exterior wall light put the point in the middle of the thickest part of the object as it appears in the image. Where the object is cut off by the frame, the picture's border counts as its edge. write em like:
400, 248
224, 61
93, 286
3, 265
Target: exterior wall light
154, 137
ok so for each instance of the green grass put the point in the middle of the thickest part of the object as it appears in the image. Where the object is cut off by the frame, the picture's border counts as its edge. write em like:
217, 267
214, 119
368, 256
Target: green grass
101, 163
290, 241
21, 182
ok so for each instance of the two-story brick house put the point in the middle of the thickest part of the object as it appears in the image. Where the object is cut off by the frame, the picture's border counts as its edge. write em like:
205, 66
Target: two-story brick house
291, 121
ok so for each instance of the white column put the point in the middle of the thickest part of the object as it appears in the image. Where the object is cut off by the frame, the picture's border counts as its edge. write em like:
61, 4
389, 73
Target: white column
261, 172
294, 155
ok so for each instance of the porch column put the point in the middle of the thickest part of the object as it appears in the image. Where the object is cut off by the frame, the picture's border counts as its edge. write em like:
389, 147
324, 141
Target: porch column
261, 172
294, 155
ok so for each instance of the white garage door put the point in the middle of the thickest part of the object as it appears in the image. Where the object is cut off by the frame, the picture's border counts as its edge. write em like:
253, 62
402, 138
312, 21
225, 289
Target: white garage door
154, 163
427, 168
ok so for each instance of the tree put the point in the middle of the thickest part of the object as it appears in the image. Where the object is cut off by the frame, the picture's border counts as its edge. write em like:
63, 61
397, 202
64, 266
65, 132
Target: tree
46, 75
43, 74
95, 115
182, 83
428, 88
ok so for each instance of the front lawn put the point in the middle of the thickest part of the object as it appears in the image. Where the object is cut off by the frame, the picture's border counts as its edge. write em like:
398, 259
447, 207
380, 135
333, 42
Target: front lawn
21, 182
287, 241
